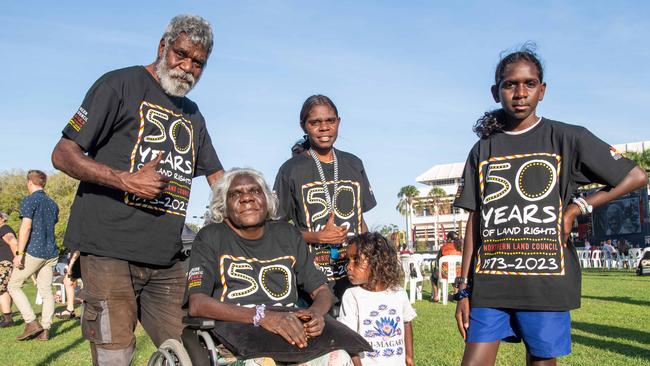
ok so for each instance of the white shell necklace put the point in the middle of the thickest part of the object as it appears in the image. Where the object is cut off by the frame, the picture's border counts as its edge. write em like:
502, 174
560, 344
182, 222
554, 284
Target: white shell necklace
331, 199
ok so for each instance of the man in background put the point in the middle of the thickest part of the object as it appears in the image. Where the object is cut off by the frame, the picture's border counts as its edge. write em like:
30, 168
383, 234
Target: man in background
37, 255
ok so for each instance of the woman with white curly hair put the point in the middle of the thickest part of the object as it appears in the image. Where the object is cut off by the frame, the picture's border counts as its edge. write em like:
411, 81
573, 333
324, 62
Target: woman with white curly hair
244, 263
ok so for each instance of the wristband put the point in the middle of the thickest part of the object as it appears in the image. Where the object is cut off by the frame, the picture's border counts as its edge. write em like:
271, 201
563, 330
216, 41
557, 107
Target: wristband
588, 207
19, 253
463, 293
582, 204
577, 202
460, 280
259, 314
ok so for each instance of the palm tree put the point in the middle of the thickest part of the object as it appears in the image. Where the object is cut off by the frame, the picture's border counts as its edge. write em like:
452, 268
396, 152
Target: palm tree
436, 195
387, 231
405, 207
642, 158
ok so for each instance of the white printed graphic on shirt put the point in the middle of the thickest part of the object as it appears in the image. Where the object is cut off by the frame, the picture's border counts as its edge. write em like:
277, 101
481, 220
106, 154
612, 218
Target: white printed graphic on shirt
521, 216
163, 131
379, 317
242, 278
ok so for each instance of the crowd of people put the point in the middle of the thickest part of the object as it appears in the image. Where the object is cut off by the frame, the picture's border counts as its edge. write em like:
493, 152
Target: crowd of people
613, 249
136, 142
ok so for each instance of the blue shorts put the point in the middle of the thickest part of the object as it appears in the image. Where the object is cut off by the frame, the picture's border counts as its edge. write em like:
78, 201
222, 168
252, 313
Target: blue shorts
546, 334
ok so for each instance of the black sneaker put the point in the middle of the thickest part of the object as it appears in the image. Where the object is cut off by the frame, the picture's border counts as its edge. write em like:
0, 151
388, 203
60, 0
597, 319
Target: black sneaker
7, 323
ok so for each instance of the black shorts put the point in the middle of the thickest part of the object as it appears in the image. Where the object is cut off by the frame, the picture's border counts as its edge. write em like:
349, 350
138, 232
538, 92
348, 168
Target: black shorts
75, 271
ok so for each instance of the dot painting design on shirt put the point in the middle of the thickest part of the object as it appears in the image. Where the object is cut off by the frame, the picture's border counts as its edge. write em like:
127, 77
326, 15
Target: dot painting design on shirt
242, 277
163, 131
348, 212
521, 227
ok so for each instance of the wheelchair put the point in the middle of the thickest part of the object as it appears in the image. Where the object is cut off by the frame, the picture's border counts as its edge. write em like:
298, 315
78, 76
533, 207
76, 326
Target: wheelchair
197, 348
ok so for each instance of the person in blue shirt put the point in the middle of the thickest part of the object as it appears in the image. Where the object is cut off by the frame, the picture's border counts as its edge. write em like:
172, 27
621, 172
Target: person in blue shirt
37, 255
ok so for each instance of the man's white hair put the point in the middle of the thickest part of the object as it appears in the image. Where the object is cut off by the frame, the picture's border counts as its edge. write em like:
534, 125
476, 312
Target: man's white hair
220, 193
197, 29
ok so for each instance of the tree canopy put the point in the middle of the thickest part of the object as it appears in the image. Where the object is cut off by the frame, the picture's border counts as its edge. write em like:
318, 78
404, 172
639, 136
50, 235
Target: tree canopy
640, 158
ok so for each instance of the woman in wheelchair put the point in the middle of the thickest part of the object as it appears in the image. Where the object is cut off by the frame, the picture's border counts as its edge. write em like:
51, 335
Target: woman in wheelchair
245, 272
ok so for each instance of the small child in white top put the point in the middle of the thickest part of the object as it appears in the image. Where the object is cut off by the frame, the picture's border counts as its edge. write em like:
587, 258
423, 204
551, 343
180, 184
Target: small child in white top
377, 307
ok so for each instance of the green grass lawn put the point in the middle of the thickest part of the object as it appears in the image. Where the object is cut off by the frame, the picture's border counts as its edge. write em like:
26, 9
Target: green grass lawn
611, 328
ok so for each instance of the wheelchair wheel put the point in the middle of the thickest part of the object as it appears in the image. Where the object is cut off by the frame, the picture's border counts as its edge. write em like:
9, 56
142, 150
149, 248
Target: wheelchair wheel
209, 345
170, 353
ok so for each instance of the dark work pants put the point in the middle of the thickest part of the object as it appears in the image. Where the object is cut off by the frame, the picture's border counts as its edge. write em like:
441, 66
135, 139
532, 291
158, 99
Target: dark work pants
117, 294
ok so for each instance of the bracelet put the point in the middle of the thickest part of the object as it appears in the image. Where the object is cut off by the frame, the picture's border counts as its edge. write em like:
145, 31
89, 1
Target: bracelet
462, 293
259, 314
581, 205
19, 253
460, 280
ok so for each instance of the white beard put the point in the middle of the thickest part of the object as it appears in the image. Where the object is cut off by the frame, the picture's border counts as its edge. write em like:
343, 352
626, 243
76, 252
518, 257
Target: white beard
174, 82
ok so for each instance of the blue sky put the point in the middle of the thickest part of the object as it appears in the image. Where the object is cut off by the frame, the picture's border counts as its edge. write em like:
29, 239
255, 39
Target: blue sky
409, 78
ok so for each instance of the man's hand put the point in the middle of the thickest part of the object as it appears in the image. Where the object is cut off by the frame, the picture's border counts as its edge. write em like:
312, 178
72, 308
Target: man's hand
462, 317
568, 216
332, 234
287, 325
146, 182
19, 261
313, 322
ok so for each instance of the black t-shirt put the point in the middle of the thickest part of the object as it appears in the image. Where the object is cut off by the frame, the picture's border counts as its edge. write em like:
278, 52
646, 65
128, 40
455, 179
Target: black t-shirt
302, 200
520, 183
5, 248
269, 270
124, 121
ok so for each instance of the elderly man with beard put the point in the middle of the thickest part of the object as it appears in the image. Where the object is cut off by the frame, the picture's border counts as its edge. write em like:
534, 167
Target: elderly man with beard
135, 143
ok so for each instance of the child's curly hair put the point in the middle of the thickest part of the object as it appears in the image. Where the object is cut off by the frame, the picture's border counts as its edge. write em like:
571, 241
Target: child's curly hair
383, 262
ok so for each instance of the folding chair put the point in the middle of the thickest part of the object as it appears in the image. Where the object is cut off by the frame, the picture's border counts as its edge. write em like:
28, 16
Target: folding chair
583, 256
596, 256
415, 278
452, 262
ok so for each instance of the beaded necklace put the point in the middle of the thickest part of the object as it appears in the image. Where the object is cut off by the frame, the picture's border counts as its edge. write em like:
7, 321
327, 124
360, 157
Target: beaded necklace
331, 199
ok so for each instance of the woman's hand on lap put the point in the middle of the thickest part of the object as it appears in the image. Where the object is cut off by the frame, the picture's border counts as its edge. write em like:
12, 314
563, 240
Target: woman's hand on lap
287, 325
313, 322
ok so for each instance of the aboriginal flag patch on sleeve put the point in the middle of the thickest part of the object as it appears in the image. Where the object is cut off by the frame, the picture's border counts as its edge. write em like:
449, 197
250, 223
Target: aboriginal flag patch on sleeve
79, 119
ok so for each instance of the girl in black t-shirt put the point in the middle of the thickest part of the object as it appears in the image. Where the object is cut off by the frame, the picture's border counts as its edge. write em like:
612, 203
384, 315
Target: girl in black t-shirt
519, 275
324, 191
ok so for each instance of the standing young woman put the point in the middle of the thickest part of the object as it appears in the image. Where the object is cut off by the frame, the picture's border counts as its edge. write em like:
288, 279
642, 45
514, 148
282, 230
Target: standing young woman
520, 277
8, 246
325, 191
